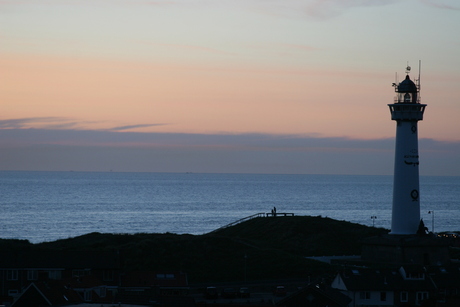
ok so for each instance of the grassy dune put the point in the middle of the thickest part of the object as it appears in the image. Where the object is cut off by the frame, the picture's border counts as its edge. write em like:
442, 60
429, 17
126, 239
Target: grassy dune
257, 249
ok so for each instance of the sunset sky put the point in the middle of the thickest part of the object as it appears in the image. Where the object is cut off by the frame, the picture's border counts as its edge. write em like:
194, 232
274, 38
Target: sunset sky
246, 86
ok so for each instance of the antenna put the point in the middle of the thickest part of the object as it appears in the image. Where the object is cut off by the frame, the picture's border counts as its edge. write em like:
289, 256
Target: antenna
418, 81
395, 84
419, 70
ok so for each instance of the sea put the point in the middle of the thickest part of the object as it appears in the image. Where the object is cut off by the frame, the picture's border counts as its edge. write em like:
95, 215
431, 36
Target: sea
48, 206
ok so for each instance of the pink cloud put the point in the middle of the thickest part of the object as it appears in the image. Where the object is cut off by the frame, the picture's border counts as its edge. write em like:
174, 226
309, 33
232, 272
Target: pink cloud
438, 4
332, 8
191, 47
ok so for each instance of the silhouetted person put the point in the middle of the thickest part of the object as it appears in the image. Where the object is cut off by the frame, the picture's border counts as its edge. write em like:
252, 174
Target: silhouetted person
422, 230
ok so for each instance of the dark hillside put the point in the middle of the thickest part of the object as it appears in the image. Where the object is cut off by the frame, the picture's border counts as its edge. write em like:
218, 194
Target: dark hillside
261, 248
205, 258
303, 235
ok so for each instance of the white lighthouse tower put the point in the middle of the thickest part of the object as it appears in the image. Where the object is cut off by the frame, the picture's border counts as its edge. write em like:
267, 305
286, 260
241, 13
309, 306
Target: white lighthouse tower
407, 243
406, 111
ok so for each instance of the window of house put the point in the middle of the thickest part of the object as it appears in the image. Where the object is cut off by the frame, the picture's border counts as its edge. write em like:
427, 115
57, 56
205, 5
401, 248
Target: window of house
365, 295
421, 296
404, 296
32, 274
12, 274
167, 276
415, 275
13, 292
101, 291
442, 293
107, 275
55, 274
88, 295
383, 296
80, 273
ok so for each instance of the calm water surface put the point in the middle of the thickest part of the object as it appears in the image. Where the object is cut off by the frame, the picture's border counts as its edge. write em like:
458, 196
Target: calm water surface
45, 206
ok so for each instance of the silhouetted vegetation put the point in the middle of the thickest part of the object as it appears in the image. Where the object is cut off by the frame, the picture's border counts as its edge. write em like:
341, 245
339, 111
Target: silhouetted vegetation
257, 249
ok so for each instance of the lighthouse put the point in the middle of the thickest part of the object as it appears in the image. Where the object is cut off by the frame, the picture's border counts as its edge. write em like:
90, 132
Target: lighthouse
407, 243
406, 111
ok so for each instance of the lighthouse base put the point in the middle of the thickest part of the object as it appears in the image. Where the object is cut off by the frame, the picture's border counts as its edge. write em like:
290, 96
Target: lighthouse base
406, 249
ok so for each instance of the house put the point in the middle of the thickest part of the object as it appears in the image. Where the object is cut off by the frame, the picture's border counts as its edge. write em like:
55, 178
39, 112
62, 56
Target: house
447, 281
19, 269
403, 286
427, 249
315, 295
93, 277
44, 294
145, 286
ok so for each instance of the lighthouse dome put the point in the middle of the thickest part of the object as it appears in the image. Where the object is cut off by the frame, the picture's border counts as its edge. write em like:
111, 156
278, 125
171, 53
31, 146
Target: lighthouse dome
407, 86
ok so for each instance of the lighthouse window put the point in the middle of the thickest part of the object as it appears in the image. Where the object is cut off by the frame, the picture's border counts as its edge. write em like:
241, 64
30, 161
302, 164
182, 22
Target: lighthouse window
407, 97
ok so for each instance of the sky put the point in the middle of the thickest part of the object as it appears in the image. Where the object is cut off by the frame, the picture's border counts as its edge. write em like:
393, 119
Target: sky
224, 86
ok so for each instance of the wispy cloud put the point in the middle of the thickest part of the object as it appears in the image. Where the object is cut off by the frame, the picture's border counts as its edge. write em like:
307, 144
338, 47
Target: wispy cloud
158, 3
119, 136
255, 141
130, 127
195, 48
332, 8
314, 8
60, 130
50, 122
440, 5
61, 123
318, 9
99, 150
284, 48
300, 47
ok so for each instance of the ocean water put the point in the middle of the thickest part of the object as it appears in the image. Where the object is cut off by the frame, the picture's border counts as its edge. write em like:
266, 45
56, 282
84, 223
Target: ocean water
46, 206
